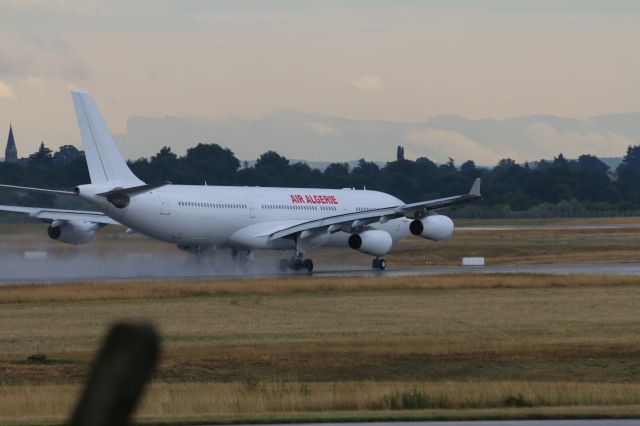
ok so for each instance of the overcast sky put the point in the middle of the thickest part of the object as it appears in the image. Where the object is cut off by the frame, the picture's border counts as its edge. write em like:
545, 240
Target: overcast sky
398, 61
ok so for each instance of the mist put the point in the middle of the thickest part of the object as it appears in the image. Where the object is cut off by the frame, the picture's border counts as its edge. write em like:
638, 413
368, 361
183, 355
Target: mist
88, 265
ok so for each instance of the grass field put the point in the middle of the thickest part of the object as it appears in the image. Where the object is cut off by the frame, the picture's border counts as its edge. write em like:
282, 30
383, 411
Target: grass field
419, 347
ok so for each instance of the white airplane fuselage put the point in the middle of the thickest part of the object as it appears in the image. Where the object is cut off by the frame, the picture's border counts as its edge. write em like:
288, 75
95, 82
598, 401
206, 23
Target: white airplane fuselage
237, 217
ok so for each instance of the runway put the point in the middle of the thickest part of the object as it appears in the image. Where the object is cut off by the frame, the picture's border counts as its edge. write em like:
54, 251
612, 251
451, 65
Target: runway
56, 270
560, 268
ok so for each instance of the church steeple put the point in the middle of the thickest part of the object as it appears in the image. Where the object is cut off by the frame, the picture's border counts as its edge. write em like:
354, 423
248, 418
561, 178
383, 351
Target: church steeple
10, 152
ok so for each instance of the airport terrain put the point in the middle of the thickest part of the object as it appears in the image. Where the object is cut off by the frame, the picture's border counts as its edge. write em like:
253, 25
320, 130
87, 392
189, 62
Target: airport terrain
304, 348
546, 241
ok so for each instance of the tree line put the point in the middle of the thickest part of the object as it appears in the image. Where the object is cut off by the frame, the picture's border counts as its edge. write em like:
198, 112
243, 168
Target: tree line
558, 187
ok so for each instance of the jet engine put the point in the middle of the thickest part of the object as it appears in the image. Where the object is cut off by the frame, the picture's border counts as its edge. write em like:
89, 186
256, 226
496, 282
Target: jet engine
373, 242
435, 227
72, 232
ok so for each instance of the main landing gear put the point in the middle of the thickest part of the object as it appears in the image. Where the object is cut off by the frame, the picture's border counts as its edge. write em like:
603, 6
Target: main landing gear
296, 263
379, 263
243, 258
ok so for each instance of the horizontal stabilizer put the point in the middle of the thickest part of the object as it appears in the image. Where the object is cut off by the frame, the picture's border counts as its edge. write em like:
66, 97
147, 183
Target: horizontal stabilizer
49, 215
46, 191
135, 189
120, 197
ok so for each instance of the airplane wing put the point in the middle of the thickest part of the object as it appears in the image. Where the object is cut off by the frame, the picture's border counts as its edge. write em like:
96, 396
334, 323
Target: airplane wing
59, 214
349, 221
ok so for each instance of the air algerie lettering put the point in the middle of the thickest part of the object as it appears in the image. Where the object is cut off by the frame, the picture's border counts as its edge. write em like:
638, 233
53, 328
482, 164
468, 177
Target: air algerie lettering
313, 199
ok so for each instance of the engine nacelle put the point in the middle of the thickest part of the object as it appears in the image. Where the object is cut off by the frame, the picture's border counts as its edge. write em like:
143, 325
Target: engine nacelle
435, 227
72, 232
373, 242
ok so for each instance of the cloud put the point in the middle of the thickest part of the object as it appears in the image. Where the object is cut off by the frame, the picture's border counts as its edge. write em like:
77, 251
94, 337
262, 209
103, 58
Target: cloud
321, 129
34, 82
5, 91
439, 144
40, 58
368, 83
549, 142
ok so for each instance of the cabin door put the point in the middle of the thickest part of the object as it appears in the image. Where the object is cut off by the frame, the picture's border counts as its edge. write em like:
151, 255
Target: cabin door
165, 207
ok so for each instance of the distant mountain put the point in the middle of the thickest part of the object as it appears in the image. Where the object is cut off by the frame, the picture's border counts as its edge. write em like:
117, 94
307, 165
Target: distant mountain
324, 139
612, 162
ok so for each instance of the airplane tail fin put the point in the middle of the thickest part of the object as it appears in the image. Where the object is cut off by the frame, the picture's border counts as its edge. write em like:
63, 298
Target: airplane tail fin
104, 160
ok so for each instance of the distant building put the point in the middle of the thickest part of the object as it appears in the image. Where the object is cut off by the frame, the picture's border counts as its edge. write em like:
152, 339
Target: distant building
400, 153
10, 152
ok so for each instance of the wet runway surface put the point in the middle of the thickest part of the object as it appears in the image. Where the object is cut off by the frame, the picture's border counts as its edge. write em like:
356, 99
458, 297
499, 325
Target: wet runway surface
560, 268
54, 270
135, 262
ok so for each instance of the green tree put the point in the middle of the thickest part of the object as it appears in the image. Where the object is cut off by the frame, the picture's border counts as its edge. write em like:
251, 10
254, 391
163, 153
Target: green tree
336, 175
210, 163
66, 154
628, 173
42, 156
272, 169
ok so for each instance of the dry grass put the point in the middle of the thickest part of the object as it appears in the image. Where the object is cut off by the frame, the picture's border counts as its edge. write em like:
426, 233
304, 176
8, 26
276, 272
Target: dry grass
181, 288
262, 347
626, 220
342, 328
202, 400
522, 247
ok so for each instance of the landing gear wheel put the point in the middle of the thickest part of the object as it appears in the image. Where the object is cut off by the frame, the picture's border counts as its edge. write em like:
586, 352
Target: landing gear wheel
308, 265
295, 263
379, 264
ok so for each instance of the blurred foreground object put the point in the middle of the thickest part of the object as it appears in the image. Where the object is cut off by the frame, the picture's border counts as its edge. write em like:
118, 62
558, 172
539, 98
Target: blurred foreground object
123, 366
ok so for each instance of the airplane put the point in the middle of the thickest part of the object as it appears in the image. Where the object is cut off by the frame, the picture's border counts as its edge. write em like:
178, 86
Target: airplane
200, 219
